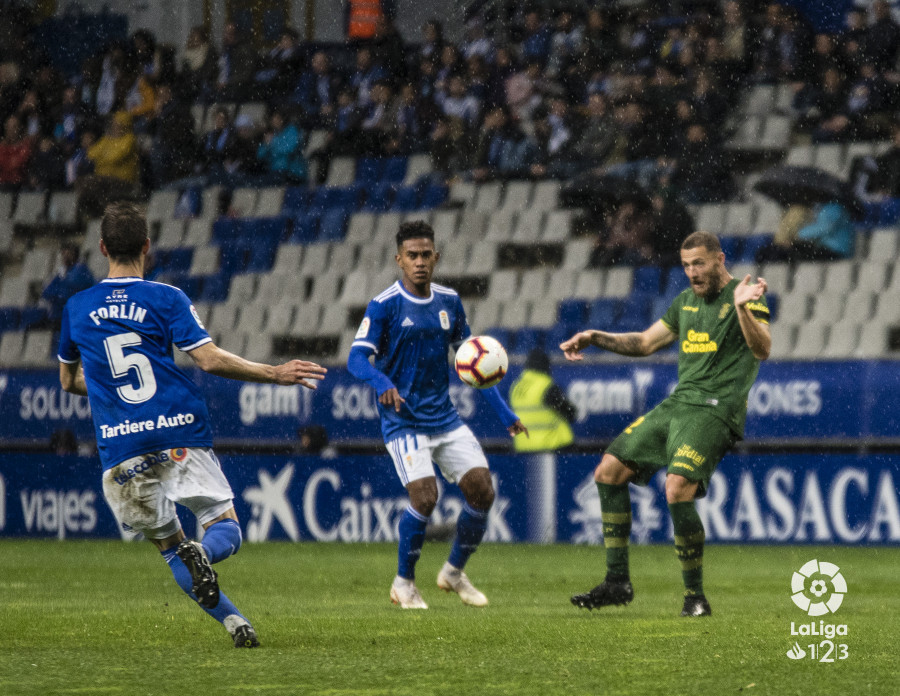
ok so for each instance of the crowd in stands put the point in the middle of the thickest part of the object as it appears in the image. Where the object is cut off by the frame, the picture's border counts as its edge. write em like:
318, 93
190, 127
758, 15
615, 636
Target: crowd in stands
641, 93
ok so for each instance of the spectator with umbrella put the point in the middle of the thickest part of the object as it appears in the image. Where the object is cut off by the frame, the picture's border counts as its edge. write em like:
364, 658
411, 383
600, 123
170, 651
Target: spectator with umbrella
830, 235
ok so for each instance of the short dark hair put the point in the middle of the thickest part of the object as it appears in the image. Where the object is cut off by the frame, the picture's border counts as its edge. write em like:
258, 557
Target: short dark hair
123, 230
704, 239
414, 229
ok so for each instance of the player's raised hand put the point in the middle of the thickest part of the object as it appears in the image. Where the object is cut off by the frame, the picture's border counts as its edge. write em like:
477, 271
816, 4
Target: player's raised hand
745, 292
299, 372
516, 428
392, 399
573, 347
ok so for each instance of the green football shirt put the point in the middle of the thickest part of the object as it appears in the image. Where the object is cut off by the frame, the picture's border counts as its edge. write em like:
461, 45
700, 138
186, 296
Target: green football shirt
715, 365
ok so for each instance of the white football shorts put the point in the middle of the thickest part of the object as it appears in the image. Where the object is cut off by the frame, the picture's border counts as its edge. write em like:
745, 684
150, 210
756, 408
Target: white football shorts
142, 491
456, 453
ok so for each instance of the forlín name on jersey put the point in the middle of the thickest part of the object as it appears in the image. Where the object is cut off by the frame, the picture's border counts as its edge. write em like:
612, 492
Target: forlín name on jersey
131, 312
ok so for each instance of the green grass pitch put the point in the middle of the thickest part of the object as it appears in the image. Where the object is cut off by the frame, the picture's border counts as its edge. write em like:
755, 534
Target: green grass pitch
106, 618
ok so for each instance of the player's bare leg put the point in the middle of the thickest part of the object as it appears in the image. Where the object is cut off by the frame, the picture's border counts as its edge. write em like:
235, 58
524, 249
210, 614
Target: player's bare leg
478, 490
612, 477
689, 539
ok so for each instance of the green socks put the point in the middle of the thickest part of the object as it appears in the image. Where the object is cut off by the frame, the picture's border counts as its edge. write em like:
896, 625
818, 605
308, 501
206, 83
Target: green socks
689, 537
615, 506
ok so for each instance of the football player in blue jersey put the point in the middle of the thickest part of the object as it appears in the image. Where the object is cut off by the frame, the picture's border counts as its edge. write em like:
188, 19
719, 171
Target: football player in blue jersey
409, 328
151, 423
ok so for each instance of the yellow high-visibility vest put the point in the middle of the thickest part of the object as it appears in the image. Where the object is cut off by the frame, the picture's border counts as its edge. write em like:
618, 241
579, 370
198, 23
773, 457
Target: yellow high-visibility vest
547, 429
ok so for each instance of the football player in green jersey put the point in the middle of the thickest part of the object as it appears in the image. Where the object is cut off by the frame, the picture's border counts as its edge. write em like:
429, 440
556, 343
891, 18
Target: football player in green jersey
721, 325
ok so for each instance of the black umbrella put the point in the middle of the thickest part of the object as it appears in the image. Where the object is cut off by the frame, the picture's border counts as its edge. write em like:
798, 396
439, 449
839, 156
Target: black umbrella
791, 185
604, 192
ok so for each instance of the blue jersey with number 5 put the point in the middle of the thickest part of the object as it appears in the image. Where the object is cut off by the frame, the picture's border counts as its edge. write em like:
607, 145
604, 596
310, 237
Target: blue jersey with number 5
122, 331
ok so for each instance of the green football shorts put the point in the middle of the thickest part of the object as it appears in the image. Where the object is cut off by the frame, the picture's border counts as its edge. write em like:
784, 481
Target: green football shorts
690, 440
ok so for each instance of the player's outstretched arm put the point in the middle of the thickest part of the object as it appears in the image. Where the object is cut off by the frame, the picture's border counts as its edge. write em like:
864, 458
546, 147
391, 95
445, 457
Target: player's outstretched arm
756, 333
633, 344
71, 377
210, 358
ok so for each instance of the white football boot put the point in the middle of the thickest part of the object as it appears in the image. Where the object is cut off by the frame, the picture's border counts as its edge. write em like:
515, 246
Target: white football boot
452, 579
405, 593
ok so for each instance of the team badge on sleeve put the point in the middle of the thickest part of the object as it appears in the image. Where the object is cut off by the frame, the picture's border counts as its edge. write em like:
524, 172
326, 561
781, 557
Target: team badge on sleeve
197, 318
363, 328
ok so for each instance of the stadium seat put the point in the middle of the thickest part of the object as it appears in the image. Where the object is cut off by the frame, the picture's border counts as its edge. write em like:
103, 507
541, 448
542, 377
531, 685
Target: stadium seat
648, 279
618, 282
394, 170
214, 288
528, 339
751, 247
63, 208
30, 208
296, 201
11, 345
369, 170
604, 313
243, 202
417, 166
341, 172
546, 195
517, 195
270, 202
504, 286
379, 196
558, 226
487, 196
406, 198
305, 229
326, 198
573, 312
433, 195
589, 284
543, 313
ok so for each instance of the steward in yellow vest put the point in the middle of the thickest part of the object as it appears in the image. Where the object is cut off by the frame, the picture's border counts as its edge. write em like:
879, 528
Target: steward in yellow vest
542, 407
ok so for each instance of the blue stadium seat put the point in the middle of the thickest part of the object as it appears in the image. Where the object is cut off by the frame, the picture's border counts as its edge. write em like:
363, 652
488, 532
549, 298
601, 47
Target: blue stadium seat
233, 257
558, 334
190, 285
305, 229
731, 247
9, 318
328, 197
752, 245
190, 203
296, 201
773, 301
603, 313
572, 312
174, 260
527, 340
261, 239
659, 306
369, 170
647, 279
379, 197
31, 316
333, 225
634, 312
433, 196
214, 288
406, 199
394, 170
676, 281
225, 229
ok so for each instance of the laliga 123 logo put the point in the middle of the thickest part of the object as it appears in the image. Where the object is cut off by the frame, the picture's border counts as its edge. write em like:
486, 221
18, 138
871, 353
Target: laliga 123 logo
818, 588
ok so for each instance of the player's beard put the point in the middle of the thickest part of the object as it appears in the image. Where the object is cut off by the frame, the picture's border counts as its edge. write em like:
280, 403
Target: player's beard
713, 284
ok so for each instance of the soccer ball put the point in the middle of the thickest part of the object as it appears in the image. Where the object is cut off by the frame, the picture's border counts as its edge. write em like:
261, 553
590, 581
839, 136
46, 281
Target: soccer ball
481, 362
